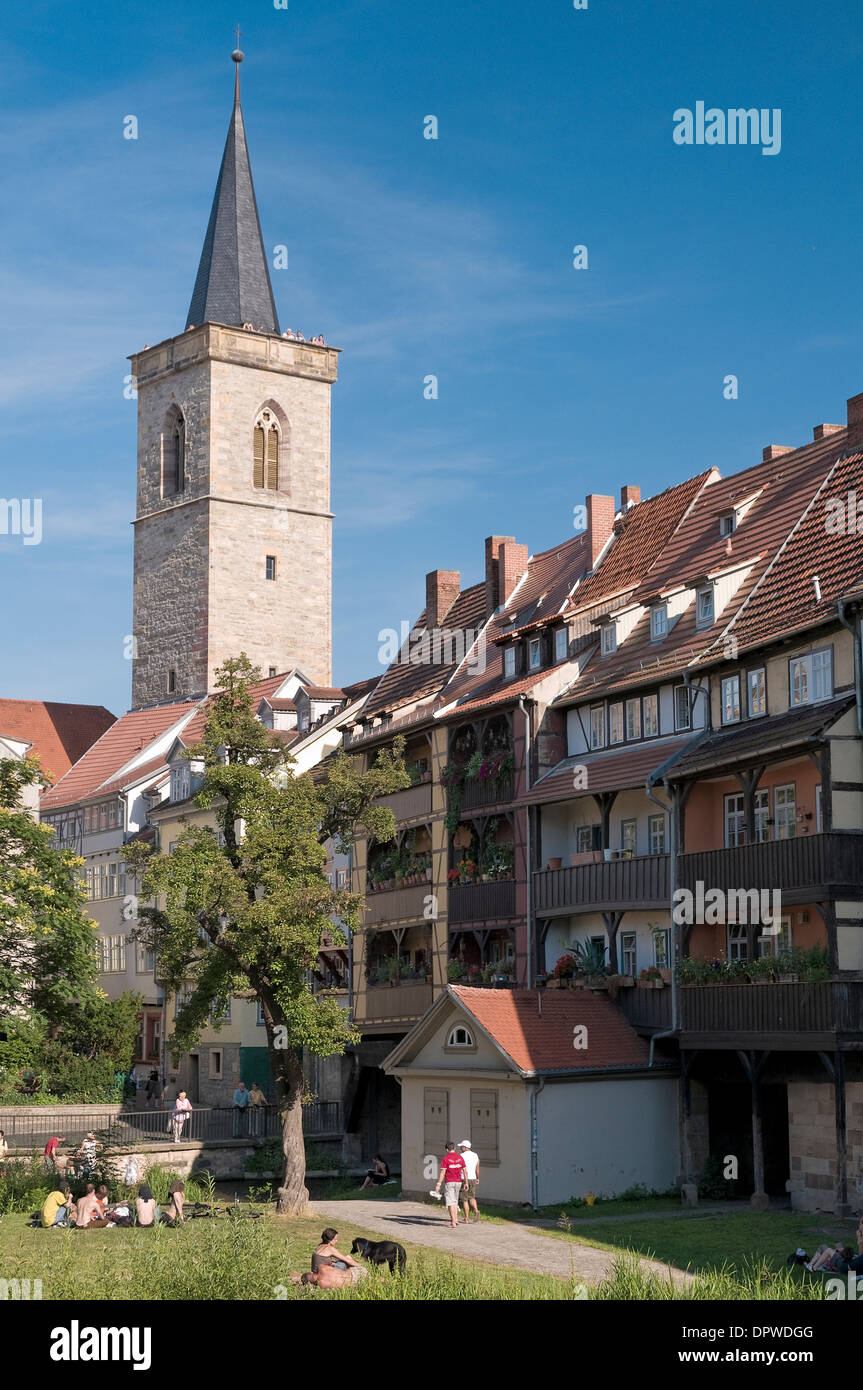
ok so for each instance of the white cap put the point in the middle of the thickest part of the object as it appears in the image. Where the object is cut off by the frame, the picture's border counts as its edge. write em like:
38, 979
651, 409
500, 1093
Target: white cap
464, 1143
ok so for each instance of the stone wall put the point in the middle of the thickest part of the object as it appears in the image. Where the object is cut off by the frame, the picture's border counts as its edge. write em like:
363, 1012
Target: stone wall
812, 1136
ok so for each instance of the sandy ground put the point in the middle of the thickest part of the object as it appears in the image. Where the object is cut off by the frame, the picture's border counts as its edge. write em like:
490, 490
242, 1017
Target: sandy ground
494, 1243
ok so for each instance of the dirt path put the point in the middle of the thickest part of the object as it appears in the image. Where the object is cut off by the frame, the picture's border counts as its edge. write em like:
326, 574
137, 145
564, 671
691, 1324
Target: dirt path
496, 1244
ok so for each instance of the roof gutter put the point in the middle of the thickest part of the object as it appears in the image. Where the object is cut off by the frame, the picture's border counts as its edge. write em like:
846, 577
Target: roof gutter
854, 628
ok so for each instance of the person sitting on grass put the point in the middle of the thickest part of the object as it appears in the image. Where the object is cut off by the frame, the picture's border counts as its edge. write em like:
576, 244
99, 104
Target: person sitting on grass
58, 1209
377, 1176
145, 1207
173, 1216
330, 1268
833, 1259
91, 1214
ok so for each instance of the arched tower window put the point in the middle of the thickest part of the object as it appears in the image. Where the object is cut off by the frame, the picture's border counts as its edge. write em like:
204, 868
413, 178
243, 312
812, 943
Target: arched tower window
266, 452
173, 454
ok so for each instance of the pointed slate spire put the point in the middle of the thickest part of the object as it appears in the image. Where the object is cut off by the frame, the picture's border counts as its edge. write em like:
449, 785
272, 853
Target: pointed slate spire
233, 281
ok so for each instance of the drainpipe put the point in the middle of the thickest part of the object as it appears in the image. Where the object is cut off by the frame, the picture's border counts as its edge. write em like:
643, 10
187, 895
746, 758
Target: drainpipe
672, 876
854, 629
534, 1143
527, 844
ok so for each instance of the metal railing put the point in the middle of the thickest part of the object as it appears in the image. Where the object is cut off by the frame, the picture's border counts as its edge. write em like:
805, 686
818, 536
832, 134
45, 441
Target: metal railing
208, 1124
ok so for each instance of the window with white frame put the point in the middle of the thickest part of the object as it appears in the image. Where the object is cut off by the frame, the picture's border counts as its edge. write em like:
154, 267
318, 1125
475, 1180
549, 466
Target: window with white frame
628, 952
260, 1018
112, 955
762, 816
738, 941
656, 834
727, 523
756, 686
735, 820
629, 835
633, 719
662, 947
771, 943
597, 726
785, 811
220, 1011
704, 608
145, 961
650, 716
181, 998
560, 644
535, 653
615, 722
658, 622
730, 699
460, 1036
682, 709
509, 662
588, 837
811, 677
181, 782
609, 639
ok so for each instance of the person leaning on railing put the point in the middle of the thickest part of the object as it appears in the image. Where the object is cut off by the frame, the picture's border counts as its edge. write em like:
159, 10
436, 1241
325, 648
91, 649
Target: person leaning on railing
257, 1106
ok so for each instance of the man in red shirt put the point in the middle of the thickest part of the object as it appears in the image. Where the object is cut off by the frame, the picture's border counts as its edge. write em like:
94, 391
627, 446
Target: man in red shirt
51, 1151
452, 1169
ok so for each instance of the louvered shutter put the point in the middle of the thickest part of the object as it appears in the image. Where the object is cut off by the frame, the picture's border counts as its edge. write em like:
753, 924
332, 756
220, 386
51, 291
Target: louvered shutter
272, 459
259, 457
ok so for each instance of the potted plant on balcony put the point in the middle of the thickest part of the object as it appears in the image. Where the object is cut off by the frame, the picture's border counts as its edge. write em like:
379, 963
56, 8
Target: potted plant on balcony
651, 978
563, 972
455, 970
590, 956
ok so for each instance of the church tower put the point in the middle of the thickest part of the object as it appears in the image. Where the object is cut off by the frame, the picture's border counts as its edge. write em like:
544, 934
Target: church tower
233, 536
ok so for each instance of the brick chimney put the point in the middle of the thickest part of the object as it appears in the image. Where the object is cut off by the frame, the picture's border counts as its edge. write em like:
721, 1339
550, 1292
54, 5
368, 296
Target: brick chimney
855, 422
442, 590
775, 451
600, 523
511, 567
824, 431
630, 495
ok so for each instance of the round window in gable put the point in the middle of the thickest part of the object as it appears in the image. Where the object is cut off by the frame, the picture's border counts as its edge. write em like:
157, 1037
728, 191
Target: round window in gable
460, 1037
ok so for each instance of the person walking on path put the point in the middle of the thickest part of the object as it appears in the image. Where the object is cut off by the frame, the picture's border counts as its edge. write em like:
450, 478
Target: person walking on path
170, 1093
51, 1151
151, 1090
257, 1106
452, 1170
182, 1109
471, 1178
241, 1105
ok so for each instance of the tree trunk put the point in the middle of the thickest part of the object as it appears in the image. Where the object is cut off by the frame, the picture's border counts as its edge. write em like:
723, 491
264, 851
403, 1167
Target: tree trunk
292, 1198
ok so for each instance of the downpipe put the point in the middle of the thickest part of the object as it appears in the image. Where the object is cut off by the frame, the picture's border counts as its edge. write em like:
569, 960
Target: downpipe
527, 845
534, 1143
672, 874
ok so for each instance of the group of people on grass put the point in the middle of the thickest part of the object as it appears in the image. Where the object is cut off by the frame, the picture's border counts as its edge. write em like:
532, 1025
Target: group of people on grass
94, 1210
835, 1259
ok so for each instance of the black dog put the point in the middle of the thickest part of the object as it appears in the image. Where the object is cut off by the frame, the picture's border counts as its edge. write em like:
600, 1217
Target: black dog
381, 1252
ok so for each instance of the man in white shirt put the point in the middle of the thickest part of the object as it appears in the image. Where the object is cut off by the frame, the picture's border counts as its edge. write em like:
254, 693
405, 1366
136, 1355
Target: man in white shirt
471, 1178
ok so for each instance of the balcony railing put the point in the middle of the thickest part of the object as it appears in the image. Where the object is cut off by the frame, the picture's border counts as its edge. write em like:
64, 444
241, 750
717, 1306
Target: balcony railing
830, 864
620, 883
396, 904
410, 802
482, 902
785, 1017
393, 1003
478, 792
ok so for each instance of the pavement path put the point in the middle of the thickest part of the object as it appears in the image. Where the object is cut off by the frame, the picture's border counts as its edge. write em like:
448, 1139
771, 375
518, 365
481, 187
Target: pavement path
493, 1242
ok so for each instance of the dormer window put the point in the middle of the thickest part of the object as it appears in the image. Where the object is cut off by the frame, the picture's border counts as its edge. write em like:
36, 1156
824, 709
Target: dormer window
609, 639
704, 609
658, 622
460, 1037
535, 654
560, 644
727, 523
509, 662
181, 782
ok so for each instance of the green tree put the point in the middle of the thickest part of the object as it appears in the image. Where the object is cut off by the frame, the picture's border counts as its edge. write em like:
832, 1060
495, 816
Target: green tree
47, 943
248, 915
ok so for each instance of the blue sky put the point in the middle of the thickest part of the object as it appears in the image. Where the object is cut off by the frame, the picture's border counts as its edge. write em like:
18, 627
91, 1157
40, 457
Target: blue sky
451, 257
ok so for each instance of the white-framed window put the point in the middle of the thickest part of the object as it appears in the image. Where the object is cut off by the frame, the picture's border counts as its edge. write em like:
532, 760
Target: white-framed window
762, 815
811, 677
534, 653
662, 947
260, 1018
770, 943
730, 699
561, 644
785, 811
588, 837
105, 880
629, 835
633, 718
704, 607
460, 1036
735, 820
181, 998
145, 961
181, 782
756, 684
727, 523
112, 955
615, 722
597, 726
628, 952
341, 877
738, 941
509, 662
682, 710
658, 622
650, 716
220, 1011
609, 639
656, 834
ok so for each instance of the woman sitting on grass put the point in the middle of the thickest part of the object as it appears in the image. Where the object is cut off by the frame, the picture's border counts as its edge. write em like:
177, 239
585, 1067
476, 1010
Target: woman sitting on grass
377, 1176
174, 1214
145, 1207
330, 1268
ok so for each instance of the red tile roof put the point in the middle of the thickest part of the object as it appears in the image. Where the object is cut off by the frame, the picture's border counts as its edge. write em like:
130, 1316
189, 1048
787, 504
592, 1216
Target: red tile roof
98, 770
324, 692
281, 704
607, 771
405, 682
535, 1028
60, 734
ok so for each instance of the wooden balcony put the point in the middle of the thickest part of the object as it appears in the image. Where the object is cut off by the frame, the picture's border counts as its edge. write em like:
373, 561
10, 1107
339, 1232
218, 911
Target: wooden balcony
396, 905
481, 902
771, 1016
401, 1003
479, 792
829, 865
642, 882
410, 803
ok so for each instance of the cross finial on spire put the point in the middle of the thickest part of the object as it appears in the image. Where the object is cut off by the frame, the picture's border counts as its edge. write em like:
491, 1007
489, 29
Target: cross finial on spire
238, 58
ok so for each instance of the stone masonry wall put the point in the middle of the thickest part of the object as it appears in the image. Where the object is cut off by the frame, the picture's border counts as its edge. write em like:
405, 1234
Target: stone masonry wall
812, 1136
